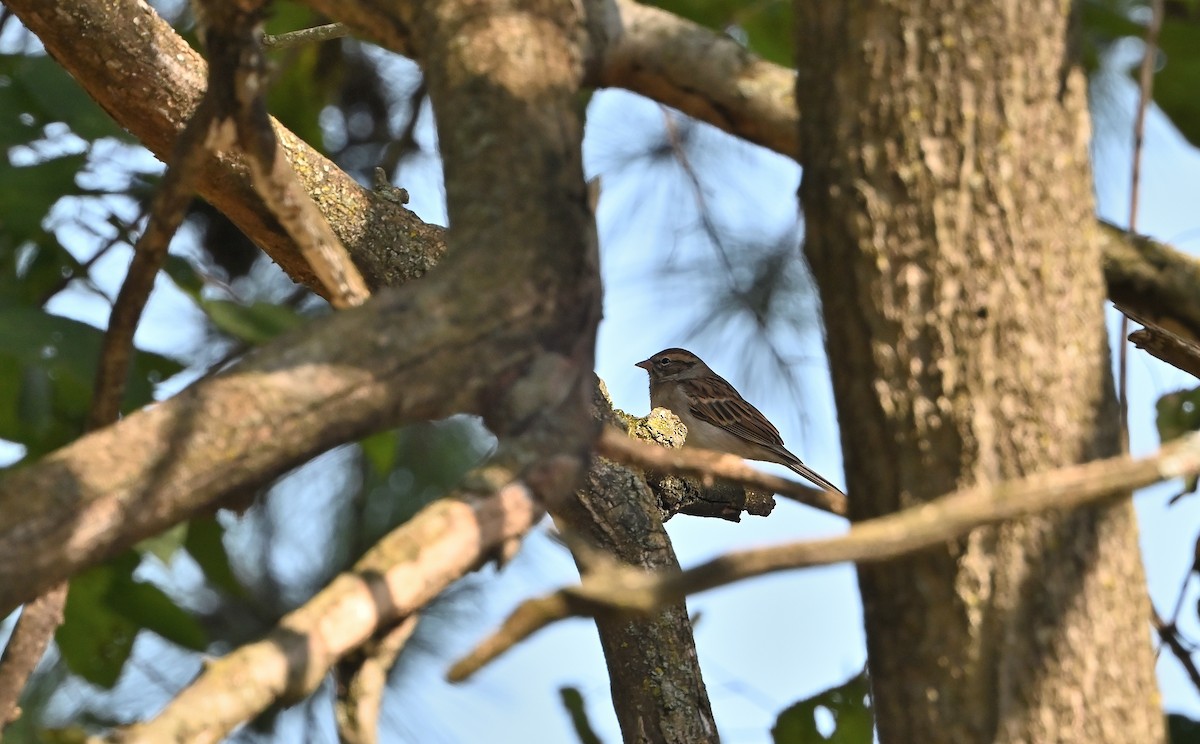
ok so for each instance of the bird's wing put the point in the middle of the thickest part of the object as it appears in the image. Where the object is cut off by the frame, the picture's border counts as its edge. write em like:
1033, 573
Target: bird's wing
716, 402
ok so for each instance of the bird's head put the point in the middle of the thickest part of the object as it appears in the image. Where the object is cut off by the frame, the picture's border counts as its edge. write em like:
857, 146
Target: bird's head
673, 364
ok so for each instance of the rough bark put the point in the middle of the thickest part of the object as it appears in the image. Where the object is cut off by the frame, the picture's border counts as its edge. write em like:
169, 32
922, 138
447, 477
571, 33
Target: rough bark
505, 329
663, 57
336, 380
950, 227
654, 674
150, 81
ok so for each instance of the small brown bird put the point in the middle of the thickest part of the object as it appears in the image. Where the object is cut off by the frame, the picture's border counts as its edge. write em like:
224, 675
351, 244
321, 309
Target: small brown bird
717, 417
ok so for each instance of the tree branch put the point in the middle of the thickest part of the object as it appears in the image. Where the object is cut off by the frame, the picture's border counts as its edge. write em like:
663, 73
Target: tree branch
336, 380
404, 571
300, 37
360, 693
237, 81
167, 210
710, 466
153, 93
32, 633
657, 687
41, 617
1168, 347
706, 75
614, 587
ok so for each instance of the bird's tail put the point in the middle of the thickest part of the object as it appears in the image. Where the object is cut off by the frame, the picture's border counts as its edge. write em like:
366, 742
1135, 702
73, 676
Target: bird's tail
812, 475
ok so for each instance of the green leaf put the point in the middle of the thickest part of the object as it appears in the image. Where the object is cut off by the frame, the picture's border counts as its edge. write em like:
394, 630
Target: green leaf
1175, 89
380, 451
180, 271
40, 92
164, 545
206, 544
31, 271
28, 192
1179, 414
47, 368
148, 607
1109, 20
1182, 730
848, 704
307, 77
767, 24
254, 324
106, 608
94, 640
572, 700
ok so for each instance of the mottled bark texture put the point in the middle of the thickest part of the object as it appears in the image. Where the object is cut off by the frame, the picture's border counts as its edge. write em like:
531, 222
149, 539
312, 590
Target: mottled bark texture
950, 227
654, 674
150, 81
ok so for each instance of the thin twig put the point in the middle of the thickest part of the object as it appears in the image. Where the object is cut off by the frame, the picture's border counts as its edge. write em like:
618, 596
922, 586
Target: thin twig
85, 267
313, 35
710, 466
621, 588
1169, 634
1145, 89
167, 210
405, 143
35, 627
358, 705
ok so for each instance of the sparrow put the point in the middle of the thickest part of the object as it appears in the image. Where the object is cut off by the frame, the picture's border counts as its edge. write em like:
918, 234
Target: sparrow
717, 417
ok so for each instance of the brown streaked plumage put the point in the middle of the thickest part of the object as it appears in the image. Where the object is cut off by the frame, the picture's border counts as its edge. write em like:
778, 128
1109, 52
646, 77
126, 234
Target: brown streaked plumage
717, 417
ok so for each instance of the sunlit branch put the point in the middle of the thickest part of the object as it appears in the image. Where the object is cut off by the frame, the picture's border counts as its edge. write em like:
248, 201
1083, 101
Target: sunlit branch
237, 85
711, 466
398, 576
620, 588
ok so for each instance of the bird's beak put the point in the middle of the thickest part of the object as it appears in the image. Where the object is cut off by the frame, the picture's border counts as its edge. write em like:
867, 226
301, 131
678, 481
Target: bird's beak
645, 364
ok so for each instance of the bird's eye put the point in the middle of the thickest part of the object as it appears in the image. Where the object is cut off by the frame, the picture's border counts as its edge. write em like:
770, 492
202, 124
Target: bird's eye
664, 361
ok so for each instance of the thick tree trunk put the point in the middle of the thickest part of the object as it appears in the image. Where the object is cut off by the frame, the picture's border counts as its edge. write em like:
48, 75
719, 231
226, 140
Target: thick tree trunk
948, 201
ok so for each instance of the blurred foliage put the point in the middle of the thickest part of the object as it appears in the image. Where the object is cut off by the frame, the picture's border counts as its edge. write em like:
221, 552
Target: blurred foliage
48, 363
1182, 730
1105, 22
106, 608
205, 543
1179, 414
56, 224
572, 700
763, 26
1175, 83
848, 706
37, 92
